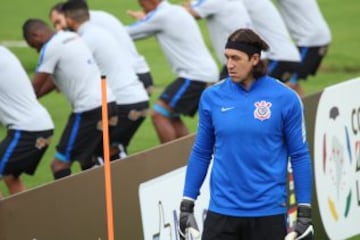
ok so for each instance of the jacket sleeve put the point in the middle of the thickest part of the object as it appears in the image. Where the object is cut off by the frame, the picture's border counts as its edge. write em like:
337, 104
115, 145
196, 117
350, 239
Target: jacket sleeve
295, 136
202, 151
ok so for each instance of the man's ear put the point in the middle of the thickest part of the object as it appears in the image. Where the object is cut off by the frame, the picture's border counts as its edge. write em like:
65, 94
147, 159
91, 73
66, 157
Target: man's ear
255, 58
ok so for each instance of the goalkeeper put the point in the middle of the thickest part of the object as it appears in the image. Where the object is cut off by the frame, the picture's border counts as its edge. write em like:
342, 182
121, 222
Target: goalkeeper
250, 124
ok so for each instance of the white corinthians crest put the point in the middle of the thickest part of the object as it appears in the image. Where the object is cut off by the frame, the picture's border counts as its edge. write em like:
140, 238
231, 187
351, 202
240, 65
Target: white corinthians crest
262, 110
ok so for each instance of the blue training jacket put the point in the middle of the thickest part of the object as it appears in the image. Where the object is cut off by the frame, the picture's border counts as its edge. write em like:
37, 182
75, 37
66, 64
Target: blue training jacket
249, 135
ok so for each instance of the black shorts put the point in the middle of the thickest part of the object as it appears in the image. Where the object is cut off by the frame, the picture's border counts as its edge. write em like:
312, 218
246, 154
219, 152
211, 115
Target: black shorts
82, 135
217, 226
146, 79
183, 95
21, 151
311, 58
130, 118
282, 70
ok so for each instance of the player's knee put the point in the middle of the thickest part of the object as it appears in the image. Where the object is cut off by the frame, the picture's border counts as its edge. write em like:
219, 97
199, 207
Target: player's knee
11, 180
57, 165
62, 173
60, 169
88, 164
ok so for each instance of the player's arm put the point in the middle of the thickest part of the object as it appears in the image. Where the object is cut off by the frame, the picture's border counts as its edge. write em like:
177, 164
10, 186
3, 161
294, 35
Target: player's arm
138, 15
295, 135
190, 9
199, 161
202, 9
202, 150
146, 26
42, 84
302, 169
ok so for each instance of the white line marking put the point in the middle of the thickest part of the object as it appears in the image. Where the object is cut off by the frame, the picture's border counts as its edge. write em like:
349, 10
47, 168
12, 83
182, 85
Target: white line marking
14, 43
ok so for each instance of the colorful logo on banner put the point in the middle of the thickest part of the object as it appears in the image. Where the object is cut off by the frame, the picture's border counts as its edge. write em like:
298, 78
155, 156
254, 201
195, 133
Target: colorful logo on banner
336, 163
337, 159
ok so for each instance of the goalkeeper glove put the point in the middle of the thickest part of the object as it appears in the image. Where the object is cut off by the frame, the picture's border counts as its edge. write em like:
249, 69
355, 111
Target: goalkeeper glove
303, 229
188, 223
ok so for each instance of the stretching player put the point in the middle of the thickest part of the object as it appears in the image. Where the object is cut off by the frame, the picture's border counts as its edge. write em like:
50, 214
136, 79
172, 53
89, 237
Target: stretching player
222, 18
29, 126
311, 34
112, 58
113, 25
283, 56
188, 55
66, 63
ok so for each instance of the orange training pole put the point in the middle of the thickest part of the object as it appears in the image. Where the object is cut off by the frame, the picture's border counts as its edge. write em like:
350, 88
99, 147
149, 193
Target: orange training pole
107, 170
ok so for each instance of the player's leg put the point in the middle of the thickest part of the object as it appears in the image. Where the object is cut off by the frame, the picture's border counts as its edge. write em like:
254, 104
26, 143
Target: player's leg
79, 141
21, 152
286, 71
181, 129
60, 168
294, 84
97, 157
267, 227
161, 119
181, 97
7, 149
282, 70
218, 226
61, 164
163, 111
186, 104
311, 58
131, 116
14, 184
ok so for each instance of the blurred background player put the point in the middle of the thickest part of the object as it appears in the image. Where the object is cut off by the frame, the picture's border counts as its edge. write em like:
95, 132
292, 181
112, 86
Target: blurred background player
222, 18
188, 55
29, 125
311, 34
113, 25
66, 63
113, 60
283, 56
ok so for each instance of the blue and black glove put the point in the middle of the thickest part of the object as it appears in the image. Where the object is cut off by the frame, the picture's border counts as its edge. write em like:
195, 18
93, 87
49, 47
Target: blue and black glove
187, 220
303, 229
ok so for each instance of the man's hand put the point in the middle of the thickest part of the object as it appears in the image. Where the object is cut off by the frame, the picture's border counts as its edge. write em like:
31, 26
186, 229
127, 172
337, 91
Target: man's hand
187, 220
303, 229
187, 5
139, 15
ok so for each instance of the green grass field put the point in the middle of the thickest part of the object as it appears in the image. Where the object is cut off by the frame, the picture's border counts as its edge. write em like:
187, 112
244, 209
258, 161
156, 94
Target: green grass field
342, 63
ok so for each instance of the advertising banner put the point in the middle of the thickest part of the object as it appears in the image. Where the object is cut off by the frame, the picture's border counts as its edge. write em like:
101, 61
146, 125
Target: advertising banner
337, 159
